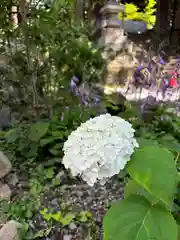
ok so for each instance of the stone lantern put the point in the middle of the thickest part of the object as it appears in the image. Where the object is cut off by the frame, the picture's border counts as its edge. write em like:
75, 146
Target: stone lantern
118, 50
112, 33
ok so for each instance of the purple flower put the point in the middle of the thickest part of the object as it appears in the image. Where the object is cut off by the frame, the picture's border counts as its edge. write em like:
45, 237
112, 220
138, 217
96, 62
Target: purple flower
73, 84
74, 81
149, 67
119, 22
62, 116
83, 98
140, 67
162, 61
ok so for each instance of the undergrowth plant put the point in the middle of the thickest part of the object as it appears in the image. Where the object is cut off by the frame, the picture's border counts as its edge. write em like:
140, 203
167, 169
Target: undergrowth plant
42, 141
151, 205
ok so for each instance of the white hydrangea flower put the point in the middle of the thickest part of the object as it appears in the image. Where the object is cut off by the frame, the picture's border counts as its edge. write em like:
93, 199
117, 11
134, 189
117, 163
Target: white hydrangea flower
99, 148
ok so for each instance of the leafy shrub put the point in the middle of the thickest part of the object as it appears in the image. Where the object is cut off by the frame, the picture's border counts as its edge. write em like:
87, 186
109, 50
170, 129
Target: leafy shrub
44, 54
43, 140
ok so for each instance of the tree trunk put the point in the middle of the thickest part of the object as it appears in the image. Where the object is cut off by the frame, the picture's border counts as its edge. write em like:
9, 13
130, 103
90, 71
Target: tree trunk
162, 17
79, 10
23, 11
175, 28
176, 15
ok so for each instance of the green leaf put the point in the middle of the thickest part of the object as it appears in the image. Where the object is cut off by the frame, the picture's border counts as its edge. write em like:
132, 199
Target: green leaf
49, 173
37, 131
12, 135
56, 181
170, 142
57, 216
42, 233
47, 216
84, 216
54, 152
29, 213
57, 134
143, 142
45, 141
135, 218
35, 187
67, 219
51, 162
178, 232
133, 188
33, 150
154, 169
56, 149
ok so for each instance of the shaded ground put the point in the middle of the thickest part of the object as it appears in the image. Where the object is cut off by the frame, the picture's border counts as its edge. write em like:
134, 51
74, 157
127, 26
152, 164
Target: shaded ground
70, 197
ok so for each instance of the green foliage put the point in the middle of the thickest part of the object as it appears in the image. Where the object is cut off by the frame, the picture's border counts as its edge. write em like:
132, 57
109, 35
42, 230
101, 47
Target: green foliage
152, 199
133, 187
148, 15
57, 217
152, 192
64, 218
44, 53
144, 166
137, 219
37, 131
145, 213
43, 140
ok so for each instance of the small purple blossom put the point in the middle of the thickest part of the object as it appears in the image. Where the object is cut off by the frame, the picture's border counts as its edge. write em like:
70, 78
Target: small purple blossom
75, 79
162, 61
83, 98
62, 116
73, 85
74, 82
119, 22
140, 67
150, 66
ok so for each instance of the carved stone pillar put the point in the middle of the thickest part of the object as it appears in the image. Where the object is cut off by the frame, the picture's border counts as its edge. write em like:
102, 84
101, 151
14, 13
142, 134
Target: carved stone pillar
117, 49
112, 33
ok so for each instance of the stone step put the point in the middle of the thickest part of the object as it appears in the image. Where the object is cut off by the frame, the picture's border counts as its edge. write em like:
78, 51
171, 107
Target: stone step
10, 231
5, 165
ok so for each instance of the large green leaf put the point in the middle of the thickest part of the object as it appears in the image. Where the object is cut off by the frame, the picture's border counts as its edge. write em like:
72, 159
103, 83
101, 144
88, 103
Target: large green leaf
154, 169
143, 142
133, 188
170, 143
12, 135
37, 131
178, 226
134, 218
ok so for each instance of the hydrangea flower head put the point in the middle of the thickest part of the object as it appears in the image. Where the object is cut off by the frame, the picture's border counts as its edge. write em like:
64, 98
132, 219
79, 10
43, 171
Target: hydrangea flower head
99, 148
